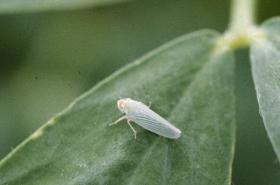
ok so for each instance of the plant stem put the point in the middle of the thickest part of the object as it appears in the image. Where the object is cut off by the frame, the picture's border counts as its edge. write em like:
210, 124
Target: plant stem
242, 15
242, 29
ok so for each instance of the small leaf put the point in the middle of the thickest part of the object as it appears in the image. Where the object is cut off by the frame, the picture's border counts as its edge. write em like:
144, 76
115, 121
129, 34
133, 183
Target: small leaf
265, 58
186, 83
15, 6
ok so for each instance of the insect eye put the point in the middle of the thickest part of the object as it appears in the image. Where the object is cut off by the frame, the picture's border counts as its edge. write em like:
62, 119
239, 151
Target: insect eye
120, 104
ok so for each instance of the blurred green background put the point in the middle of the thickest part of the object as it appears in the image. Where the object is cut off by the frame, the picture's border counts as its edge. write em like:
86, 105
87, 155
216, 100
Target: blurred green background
49, 58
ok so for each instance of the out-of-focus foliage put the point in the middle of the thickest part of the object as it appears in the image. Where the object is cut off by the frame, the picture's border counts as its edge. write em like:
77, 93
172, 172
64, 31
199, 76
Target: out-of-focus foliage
19, 6
265, 59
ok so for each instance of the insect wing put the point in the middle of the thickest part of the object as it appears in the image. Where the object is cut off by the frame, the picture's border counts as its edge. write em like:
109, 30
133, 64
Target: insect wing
148, 119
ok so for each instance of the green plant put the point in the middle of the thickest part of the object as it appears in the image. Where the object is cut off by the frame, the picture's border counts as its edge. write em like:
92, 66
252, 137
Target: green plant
190, 81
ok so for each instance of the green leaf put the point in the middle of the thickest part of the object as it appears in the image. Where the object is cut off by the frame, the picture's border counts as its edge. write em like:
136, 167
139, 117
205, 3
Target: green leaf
187, 84
15, 6
265, 58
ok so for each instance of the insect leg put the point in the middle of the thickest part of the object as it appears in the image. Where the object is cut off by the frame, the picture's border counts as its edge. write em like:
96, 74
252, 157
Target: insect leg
118, 120
134, 131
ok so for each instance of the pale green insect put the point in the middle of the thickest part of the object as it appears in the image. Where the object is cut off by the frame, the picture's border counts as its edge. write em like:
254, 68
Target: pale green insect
142, 115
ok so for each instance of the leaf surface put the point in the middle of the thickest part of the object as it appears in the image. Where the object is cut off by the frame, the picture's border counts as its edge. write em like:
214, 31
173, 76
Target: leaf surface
265, 58
186, 83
